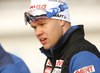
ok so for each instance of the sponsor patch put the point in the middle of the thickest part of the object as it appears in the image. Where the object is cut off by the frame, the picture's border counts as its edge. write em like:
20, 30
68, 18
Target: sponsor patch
87, 69
48, 63
56, 70
39, 6
59, 63
60, 16
47, 70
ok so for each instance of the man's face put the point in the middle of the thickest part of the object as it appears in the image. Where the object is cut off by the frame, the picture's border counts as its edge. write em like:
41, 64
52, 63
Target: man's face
48, 31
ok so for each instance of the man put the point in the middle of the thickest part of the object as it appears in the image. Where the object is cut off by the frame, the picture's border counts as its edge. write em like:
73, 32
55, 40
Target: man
64, 45
10, 63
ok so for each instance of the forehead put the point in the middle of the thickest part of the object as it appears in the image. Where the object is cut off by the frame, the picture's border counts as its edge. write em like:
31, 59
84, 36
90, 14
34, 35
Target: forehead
45, 21
39, 21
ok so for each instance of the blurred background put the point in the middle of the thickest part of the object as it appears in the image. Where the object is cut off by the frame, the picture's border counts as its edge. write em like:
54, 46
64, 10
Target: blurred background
19, 39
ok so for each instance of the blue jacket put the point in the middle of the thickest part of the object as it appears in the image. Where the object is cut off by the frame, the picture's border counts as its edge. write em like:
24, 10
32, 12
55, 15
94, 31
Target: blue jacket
72, 54
84, 62
10, 63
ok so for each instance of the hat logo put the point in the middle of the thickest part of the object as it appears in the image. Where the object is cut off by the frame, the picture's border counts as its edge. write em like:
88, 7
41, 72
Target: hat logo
39, 6
60, 1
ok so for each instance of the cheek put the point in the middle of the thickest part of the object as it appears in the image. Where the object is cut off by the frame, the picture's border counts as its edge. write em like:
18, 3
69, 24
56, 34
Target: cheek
54, 35
49, 33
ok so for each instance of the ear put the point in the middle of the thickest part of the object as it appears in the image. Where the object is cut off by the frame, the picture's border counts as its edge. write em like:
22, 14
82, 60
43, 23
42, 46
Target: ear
63, 23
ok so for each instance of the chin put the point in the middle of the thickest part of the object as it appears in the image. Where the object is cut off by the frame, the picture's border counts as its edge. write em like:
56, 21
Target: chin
46, 48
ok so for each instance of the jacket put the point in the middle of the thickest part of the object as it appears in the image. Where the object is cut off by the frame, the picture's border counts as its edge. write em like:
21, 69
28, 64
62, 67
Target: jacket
10, 63
73, 54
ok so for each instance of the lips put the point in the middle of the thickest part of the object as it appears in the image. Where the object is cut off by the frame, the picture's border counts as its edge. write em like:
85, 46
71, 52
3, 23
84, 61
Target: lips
43, 40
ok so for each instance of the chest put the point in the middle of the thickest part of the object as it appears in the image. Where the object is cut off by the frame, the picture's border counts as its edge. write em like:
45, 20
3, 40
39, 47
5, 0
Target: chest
49, 68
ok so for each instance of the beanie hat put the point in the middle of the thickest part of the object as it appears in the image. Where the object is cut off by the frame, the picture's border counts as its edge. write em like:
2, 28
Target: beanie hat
56, 9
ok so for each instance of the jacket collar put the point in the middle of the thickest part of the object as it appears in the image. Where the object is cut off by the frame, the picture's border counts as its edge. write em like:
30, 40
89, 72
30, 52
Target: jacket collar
60, 42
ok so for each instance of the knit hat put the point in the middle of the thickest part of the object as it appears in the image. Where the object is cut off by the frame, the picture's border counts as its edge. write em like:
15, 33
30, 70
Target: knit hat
56, 9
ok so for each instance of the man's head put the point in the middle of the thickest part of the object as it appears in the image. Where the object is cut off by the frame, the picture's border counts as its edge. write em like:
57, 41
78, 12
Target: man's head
49, 31
50, 20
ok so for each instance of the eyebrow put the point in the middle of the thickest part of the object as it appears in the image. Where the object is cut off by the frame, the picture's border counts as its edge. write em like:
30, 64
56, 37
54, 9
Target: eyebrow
41, 21
38, 22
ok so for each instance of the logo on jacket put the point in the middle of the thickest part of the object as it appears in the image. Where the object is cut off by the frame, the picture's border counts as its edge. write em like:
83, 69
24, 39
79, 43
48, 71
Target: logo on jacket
57, 68
59, 63
48, 67
87, 69
48, 63
47, 70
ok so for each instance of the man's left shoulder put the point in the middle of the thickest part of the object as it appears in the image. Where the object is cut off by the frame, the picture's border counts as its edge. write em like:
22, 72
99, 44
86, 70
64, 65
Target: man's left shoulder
84, 61
85, 57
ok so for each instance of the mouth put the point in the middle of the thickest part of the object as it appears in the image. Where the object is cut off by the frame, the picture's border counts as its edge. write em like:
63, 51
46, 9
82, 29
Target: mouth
43, 40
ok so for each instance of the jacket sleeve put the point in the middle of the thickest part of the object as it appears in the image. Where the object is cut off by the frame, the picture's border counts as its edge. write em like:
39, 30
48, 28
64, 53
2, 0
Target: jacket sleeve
84, 62
20, 64
17, 67
10, 68
10, 63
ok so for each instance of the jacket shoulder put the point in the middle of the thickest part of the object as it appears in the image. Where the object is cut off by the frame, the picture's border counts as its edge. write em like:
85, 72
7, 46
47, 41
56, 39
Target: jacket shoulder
82, 60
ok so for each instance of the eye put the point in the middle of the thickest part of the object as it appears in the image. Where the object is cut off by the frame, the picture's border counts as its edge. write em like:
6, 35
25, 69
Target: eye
42, 24
34, 27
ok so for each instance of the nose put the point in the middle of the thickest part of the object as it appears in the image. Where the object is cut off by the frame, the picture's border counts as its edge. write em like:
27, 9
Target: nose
38, 32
